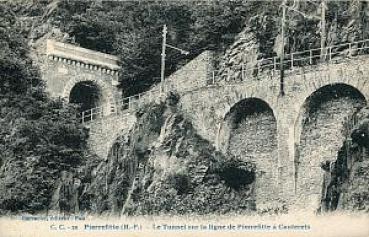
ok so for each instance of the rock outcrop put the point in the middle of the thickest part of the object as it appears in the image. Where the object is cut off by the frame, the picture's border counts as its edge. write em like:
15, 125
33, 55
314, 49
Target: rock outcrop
163, 167
347, 179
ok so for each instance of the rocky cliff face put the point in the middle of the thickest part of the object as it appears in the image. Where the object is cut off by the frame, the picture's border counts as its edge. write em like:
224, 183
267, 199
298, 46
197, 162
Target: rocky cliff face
243, 53
347, 179
163, 167
346, 21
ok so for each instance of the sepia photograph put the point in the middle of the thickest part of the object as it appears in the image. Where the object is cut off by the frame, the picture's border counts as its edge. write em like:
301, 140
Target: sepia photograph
184, 118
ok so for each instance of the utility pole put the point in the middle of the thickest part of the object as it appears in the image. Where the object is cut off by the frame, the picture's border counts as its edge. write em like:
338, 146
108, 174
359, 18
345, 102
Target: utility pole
164, 45
283, 25
322, 19
163, 58
323, 31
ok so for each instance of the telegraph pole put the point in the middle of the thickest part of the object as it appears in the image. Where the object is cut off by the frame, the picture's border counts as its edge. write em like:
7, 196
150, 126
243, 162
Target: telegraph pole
163, 57
323, 30
283, 25
322, 19
164, 45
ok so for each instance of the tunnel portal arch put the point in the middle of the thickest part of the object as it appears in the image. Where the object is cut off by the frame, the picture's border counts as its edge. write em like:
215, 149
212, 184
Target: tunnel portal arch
87, 94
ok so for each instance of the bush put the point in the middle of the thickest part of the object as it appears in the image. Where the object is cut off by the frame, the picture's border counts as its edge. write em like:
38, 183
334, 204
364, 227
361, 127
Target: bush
180, 182
236, 174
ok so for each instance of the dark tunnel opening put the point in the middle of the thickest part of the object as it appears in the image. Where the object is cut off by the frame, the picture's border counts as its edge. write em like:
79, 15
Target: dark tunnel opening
86, 94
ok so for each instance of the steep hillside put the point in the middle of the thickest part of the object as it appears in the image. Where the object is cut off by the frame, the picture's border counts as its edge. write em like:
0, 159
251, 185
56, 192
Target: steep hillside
240, 31
346, 21
39, 137
163, 167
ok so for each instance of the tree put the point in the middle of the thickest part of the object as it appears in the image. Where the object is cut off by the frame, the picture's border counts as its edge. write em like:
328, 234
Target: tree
39, 137
132, 30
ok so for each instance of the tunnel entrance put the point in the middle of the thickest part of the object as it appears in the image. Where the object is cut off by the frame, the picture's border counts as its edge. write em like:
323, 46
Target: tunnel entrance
86, 94
252, 136
321, 134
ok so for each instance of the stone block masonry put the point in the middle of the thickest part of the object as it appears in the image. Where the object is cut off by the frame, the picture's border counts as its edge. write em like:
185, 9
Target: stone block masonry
287, 140
254, 139
322, 136
65, 66
194, 74
209, 106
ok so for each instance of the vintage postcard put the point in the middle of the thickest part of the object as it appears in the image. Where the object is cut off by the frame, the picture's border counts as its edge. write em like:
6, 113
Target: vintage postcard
184, 118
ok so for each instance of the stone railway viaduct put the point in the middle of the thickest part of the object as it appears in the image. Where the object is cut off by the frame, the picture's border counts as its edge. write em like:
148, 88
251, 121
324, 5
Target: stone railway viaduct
244, 115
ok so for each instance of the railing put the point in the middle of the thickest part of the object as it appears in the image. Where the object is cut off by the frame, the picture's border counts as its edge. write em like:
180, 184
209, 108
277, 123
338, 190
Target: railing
91, 114
302, 58
272, 65
126, 104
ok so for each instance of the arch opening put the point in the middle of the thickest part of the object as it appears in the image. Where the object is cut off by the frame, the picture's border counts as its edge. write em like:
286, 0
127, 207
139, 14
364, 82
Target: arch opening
319, 134
87, 94
250, 134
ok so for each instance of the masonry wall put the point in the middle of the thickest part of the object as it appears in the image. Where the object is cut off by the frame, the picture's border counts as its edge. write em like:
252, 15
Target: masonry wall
195, 74
104, 132
253, 137
322, 135
208, 106
60, 74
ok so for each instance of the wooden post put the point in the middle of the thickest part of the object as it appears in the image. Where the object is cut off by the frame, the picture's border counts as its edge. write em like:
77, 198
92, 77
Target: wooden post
242, 72
281, 83
164, 42
323, 30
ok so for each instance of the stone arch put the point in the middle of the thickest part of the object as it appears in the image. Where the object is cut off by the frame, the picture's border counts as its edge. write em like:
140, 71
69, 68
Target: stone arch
106, 89
319, 131
87, 94
356, 77
222, 133
232, 97
249, 131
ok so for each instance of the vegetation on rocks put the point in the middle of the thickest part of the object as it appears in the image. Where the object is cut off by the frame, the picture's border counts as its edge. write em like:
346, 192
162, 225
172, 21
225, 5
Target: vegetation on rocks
163, 167
39, 137
347, 178
240, 31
